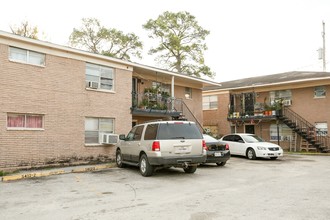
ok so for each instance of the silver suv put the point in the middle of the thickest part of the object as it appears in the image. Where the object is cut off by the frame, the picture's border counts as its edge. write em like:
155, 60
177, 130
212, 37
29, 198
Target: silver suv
162, 144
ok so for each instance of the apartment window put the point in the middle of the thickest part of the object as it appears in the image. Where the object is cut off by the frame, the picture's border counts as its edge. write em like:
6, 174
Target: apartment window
188, 93
321, 129
99, 77
210, 102
26, 56
319, 92
96, 127
284, 95
285, 133
162, 87
24, 121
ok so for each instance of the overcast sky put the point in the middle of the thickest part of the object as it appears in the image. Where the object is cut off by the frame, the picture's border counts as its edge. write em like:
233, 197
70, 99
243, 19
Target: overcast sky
247, 37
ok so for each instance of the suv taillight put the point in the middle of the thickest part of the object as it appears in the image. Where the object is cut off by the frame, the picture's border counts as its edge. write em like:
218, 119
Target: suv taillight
204, 145
156, 146
227, 146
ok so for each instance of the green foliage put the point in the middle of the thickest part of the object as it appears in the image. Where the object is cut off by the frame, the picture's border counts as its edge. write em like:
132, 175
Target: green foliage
181, 44
25, 30
107, 41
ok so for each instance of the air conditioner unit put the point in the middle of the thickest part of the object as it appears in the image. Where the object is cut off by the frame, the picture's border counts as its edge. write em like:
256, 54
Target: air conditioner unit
93, 85
110, 138
287, 102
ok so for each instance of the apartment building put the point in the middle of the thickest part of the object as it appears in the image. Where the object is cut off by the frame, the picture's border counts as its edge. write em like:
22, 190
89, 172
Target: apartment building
290, 109
59, 105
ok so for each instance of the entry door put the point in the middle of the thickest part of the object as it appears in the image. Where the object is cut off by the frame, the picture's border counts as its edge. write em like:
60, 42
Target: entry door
249, 129
249, 103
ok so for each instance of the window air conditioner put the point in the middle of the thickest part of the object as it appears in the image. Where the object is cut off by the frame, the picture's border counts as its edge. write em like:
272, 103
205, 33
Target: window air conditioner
110, 138
93, 85
287, 102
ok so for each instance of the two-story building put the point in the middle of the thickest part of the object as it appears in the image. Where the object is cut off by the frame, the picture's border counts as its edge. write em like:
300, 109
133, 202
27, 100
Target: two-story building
63, 105
290, 109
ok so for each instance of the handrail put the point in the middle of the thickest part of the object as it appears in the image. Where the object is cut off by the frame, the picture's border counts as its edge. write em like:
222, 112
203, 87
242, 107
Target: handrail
192, 116
306, 127
158, 101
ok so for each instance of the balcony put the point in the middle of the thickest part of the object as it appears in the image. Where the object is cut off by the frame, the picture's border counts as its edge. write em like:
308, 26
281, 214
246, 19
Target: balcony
253, 113
153, 103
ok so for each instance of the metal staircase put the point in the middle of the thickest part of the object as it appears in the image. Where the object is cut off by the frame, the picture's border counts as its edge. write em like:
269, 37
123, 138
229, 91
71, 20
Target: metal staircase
181, 106
306, 130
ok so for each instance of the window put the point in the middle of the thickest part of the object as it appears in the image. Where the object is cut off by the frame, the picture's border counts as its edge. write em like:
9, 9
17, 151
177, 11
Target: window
151, 132
162, 87
319, 92
24, 121
99, 77
321, 129
280, 94
210, 102
135, 134
178, 131
285, 133
96, 127
26, 56
188, 93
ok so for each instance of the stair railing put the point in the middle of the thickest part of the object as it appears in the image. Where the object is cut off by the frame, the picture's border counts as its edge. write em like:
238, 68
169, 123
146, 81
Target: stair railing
179, 104
307, 128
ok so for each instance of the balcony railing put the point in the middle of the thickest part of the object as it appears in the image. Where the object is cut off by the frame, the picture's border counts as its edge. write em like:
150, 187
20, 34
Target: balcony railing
251, 112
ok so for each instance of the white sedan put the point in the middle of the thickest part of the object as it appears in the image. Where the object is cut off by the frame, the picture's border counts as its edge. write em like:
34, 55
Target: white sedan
251, 146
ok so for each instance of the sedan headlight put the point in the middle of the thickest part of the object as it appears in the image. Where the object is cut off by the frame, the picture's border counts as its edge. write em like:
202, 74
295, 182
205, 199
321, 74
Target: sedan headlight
261, 148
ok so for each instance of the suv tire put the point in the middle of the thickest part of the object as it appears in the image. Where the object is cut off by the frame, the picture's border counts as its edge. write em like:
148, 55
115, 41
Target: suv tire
119, 159
190, 169
145, 168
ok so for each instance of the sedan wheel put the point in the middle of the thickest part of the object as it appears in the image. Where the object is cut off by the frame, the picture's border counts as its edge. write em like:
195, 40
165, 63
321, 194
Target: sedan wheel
251, 154
221, 164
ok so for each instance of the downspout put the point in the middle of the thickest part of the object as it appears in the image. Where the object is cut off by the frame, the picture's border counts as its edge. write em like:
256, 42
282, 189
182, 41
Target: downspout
172, 93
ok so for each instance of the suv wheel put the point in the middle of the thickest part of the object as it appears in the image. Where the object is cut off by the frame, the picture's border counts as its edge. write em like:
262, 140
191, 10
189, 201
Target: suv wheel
119, 159
190, 169
145, 168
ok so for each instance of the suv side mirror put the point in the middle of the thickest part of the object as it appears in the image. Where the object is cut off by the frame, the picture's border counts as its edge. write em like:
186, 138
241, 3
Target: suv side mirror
122, 137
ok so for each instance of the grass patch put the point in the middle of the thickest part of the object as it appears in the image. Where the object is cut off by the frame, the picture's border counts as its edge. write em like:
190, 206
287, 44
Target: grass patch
3, 173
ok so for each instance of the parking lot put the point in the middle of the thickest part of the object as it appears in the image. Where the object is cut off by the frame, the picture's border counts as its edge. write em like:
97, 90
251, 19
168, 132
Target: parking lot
295, 187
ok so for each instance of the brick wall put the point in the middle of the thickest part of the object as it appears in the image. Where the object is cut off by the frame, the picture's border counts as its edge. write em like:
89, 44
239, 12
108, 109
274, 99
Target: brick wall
58, 92
218, 117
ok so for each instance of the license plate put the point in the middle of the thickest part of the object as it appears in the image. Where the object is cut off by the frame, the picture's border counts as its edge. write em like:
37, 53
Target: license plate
182, 149
218, 154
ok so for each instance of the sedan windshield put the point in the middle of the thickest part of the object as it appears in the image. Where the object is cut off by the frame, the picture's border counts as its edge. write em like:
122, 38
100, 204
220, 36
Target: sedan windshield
252, 139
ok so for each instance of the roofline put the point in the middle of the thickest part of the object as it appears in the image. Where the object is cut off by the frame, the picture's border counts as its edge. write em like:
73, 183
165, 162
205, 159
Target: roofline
175, 74
268, 84
99, 56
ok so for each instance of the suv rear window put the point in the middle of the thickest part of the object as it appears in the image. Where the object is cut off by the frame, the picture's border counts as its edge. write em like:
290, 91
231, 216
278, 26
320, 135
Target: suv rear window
178, 131
151, 132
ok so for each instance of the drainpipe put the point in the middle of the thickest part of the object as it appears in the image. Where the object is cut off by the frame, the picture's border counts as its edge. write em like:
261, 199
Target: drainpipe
172, 93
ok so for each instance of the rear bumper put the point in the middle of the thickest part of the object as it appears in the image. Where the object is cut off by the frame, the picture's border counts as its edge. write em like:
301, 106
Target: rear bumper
176, 161
212, 159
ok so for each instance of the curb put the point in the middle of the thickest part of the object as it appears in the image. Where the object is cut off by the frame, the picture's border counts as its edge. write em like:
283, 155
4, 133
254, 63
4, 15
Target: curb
54, 172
